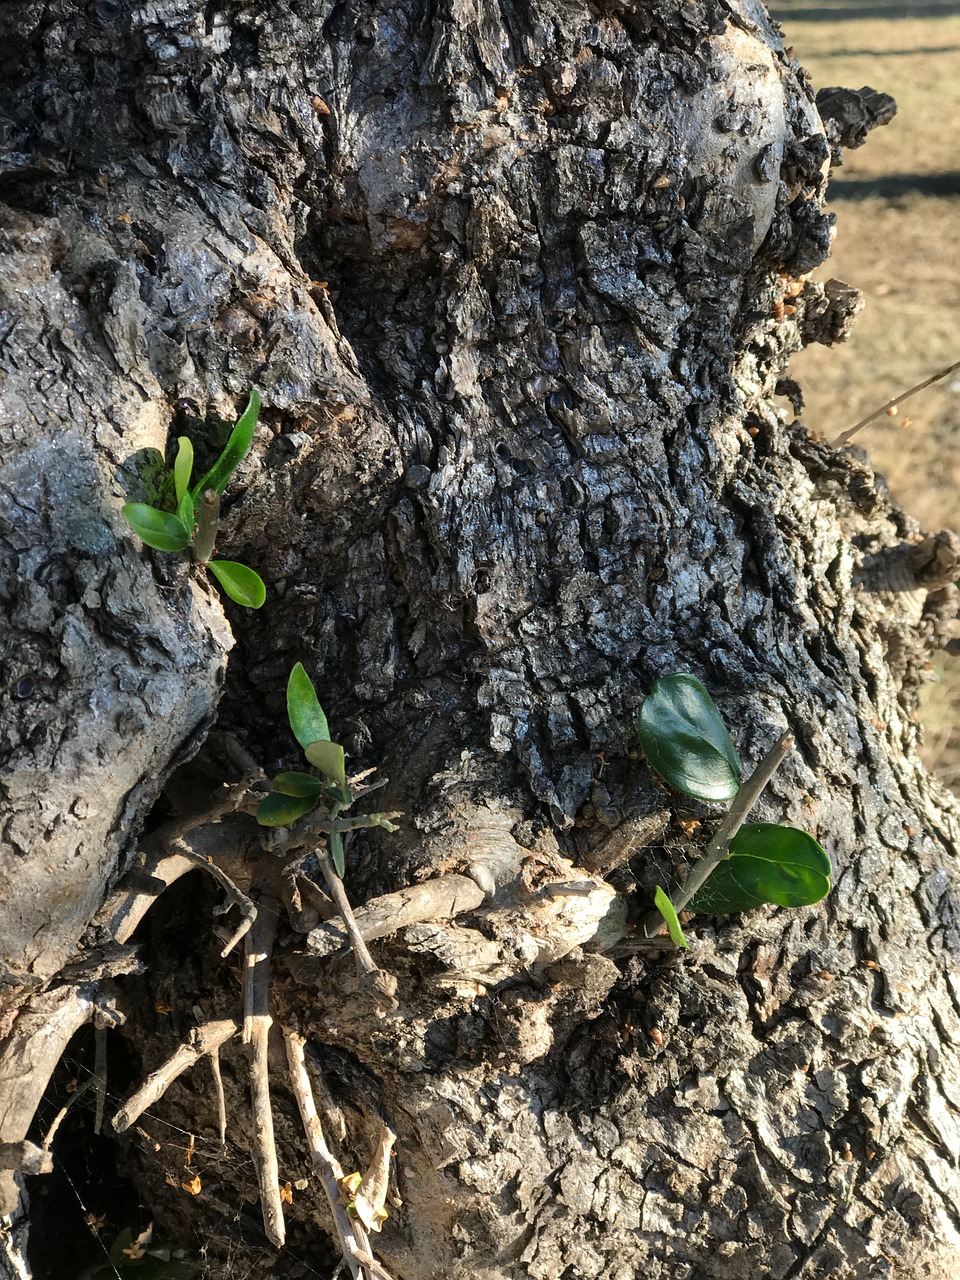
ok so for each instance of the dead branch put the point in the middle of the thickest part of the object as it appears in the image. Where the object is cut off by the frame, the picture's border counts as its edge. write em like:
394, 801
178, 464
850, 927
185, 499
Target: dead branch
65, 1110
123, 912
221, 1099
169, 853
203, 1041
256, 1033
354, 1242
372, 977
99, 1072
232, 898
230, 798
846, 436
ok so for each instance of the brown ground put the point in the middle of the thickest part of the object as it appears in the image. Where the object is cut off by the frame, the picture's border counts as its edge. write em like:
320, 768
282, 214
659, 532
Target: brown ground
897, 202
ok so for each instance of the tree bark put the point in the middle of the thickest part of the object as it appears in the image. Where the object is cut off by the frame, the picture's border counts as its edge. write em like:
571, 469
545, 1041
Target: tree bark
519, 283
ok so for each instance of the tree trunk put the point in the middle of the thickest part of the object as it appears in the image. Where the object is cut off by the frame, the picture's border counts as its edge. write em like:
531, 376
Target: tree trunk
518, 282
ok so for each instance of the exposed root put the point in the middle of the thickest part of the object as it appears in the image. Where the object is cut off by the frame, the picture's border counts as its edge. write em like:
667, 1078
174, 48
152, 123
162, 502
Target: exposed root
203, 1041
441, 898
354, 1241
170, 853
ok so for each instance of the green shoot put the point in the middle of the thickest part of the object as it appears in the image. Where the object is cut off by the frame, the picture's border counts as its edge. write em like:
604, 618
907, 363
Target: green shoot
197, 517
685, 740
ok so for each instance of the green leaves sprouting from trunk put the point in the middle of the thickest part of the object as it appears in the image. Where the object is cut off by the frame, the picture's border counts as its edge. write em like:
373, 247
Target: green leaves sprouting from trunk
687, 743
295, 794
195, 522
744, 866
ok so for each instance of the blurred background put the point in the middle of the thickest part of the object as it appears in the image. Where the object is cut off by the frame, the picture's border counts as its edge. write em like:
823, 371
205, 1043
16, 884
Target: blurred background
897, 201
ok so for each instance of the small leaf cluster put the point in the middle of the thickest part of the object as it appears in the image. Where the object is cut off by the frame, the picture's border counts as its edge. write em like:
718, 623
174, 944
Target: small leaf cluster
194, 523
685, 740
296, 794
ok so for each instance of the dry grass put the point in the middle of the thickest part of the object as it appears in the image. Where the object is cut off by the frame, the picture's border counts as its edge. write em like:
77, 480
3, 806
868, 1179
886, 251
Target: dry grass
903, 251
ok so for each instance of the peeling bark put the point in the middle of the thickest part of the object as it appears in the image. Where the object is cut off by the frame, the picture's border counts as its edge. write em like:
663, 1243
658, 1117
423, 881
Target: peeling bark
518, 282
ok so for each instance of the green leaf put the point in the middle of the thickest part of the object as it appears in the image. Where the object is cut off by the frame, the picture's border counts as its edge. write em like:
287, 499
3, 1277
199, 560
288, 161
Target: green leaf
685, 740
298, 784
235, 450
336, 853
183, 468
304, 712
767, 863
240, 583
668, 911
158, 529
186, 514
276, 810
328, 757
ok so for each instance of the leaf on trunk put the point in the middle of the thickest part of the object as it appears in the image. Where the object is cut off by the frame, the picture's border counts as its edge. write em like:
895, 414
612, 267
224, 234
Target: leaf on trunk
186, 514
767, 863
276, 810
183, 468
337, 853
158, 529
328, 757
685, 740
298, 784
304, 712
235, 450
240, 583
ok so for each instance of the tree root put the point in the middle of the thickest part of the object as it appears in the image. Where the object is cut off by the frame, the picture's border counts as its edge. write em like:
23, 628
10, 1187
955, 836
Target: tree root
441, 898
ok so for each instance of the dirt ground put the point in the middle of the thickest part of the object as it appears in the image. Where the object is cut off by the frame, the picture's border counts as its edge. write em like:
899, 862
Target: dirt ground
897, 202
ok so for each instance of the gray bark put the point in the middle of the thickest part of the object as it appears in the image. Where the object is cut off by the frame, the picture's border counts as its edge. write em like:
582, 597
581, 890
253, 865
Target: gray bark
518, 282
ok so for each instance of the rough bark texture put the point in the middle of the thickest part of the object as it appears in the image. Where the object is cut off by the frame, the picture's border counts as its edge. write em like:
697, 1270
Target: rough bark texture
518, 282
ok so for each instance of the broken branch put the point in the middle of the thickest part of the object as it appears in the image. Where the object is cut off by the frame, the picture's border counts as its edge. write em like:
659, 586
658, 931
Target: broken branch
203, 1041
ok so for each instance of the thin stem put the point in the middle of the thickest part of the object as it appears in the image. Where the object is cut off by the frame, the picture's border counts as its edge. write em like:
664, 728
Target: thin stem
892, 404
719, 846
208, 521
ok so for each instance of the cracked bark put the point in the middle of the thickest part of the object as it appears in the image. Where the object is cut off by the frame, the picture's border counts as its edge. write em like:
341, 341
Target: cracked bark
518, 283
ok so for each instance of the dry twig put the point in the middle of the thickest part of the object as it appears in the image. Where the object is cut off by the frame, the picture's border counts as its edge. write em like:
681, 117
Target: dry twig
256, 1033
847, 436
203, 1041
354, 1241
374, 978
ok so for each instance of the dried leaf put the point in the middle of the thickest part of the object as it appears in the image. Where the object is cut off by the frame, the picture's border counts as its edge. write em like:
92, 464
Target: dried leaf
372, 1192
